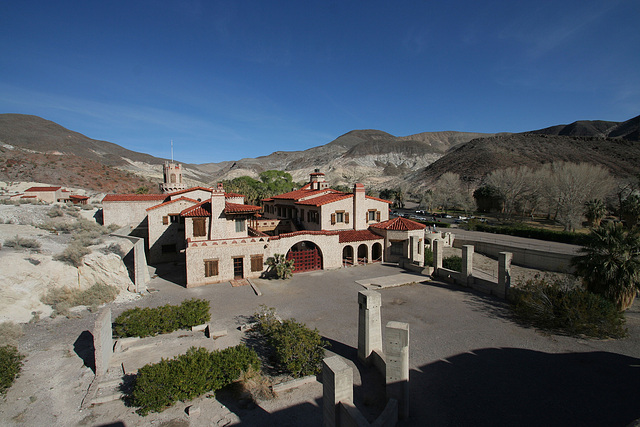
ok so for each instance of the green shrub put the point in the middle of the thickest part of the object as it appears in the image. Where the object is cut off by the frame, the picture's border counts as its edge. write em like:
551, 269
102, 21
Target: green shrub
190, 375
568, 308
452, 262
73, 254
522, 230
428, 257
144, 322
20, 243
297, 349
10, 365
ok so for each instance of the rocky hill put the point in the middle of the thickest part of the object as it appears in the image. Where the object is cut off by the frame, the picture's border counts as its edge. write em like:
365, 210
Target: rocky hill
613, 145
371, 156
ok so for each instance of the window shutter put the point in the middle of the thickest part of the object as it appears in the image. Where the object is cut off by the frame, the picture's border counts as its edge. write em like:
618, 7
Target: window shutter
346, 217
199, 229
378, 216
333, 219
165, 220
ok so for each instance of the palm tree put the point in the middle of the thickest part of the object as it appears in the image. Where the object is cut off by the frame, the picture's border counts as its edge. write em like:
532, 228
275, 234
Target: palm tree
595, 211
631, 210
610, 264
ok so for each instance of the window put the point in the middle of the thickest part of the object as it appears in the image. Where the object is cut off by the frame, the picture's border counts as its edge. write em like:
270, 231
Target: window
169, 249
240, 225
256, 263
210, 267
199, 227
397, 248
165, 220
371, 216
339, 216
175, 219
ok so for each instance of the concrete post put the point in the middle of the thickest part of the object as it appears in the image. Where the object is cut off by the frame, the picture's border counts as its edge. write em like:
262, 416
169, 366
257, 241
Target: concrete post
504, 273
467, 264
438, 251
103, 342
369, 323
397, 353
337, 386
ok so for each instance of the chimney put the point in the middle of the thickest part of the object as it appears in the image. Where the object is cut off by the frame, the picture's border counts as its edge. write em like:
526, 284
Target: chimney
359, 209
218, 222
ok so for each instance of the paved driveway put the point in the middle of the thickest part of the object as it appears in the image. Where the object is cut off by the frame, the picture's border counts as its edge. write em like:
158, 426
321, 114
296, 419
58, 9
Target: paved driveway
471, 364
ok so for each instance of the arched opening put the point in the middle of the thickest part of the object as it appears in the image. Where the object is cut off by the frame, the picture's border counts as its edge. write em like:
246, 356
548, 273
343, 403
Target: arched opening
347, 255
376, 252
173, 178
306, 255
363, 254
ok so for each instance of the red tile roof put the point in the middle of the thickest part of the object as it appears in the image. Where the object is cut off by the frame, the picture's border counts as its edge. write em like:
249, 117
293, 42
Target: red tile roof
228, 195
168, 202
349, 236
204, 209
399, 224
42, 189
134, 197
323, 200
238, 208
77, 197
304, 193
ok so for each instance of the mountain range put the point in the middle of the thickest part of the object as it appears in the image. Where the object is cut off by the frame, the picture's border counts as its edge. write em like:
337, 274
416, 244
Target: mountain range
35, 149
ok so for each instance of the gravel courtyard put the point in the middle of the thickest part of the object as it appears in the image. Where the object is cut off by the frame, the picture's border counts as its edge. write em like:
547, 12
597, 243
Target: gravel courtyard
471, 364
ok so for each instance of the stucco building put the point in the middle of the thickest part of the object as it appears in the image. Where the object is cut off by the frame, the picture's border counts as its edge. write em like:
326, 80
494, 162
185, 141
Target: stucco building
220, 238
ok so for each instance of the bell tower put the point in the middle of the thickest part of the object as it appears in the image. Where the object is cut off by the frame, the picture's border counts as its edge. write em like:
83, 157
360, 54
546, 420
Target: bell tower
172, 173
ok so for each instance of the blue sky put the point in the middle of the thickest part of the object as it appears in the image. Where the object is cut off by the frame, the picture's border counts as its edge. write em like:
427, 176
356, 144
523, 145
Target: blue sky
233, 79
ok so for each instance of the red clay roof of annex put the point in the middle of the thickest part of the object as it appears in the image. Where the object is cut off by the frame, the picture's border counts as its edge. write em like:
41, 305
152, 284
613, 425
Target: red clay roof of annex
350, 236
134, 197
42, 189
399, 224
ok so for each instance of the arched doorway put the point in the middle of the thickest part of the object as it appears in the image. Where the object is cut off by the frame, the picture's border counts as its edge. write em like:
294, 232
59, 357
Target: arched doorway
306, 256
347, 255
376, 252
363, 254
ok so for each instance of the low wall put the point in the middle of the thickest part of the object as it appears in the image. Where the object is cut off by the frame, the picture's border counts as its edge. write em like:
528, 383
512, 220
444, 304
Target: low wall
525, 257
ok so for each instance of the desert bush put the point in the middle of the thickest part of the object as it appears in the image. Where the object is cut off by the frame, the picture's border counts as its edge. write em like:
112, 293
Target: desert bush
190, 375
20, 243
73, 254
55, 211
567, 307
144, 322
10, 332
114, 248
87, 207
62, 299
10, 365
279, 266
452, 262
297, 350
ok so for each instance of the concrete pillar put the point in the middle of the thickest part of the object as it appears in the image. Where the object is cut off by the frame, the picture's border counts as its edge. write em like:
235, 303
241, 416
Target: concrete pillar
504, 272
103, 342
397, 353
467, 264
369, 323
337, 386
438, 251
141, 270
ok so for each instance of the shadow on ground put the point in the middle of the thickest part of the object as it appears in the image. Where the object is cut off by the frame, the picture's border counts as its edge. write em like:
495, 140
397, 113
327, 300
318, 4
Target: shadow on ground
83, 347
510, 386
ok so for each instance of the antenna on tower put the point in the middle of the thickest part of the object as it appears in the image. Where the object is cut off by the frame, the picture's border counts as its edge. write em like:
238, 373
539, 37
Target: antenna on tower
172, 151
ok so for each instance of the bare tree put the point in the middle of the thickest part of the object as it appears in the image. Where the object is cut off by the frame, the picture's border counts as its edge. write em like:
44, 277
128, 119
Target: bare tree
573, 185
450, 192
513, 184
